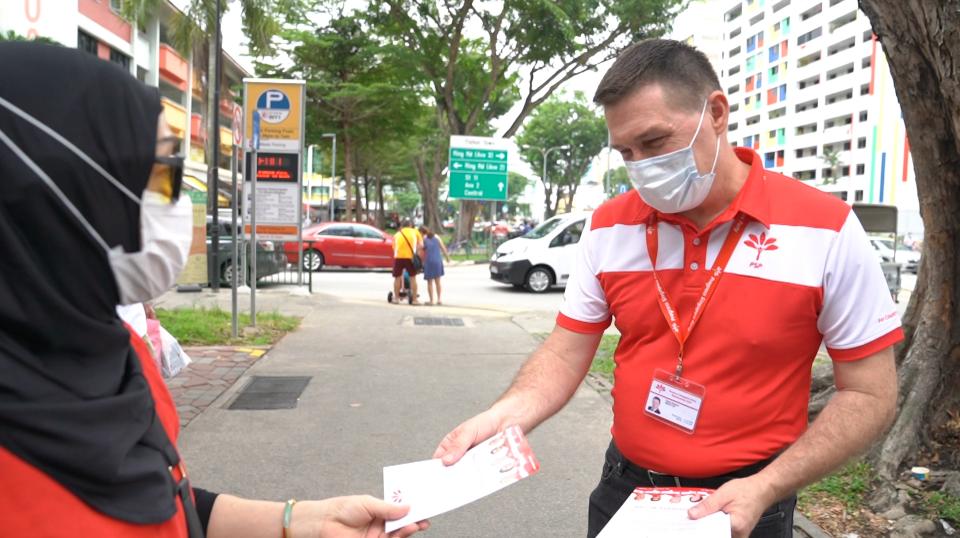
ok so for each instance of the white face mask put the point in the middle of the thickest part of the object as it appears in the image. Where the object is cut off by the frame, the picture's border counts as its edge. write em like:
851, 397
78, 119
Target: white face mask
671, 183
166, 230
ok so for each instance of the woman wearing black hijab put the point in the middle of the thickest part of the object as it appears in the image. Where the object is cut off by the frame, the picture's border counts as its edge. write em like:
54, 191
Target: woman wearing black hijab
87, 428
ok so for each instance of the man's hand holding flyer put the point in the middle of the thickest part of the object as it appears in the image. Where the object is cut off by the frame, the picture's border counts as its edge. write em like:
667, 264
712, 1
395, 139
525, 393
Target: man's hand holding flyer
658, 512
431, 488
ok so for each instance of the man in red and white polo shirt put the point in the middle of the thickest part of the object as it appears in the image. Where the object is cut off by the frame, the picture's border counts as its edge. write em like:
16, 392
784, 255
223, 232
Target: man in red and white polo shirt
723, 279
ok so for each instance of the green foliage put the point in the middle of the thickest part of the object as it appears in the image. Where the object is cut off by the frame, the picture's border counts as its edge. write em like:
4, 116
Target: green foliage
603, 362
10, 35
618, 177
207, 327
407, 201
943, 505
556, 123
849, 485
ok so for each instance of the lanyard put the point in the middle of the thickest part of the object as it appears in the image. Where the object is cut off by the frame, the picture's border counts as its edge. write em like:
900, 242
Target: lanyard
666, 307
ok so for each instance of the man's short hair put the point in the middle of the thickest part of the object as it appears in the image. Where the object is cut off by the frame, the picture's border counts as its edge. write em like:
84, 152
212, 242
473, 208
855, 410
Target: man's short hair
406, 223
683, 70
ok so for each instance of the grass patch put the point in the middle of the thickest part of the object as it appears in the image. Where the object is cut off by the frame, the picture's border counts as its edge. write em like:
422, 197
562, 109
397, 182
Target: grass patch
849, 485
473, 257
943, 505
209, 327
603, 361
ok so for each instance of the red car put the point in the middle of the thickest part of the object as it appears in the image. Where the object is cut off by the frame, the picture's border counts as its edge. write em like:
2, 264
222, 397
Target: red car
346, 244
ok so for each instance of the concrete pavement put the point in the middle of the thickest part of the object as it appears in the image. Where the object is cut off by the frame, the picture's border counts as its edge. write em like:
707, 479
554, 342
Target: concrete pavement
383, 392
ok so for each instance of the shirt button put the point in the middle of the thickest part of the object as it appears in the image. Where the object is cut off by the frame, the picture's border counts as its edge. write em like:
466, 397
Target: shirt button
696, 241
694, 266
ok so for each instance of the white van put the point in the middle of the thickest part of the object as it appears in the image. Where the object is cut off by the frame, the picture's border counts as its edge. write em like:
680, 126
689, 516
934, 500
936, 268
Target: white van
543, 257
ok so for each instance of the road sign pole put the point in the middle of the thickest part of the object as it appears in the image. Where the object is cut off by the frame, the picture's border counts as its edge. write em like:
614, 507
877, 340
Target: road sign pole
233, 230
253, 233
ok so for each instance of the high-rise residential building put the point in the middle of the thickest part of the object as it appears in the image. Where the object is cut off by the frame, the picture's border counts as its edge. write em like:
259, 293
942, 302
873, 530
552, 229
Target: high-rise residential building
97, 27
810, 90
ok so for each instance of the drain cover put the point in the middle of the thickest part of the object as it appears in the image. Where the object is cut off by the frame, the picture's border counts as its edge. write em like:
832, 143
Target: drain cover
273, 392
447, 322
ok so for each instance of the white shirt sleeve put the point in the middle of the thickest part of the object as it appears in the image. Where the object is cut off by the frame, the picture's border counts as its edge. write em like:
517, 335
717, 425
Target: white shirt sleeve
584, 302
859, 316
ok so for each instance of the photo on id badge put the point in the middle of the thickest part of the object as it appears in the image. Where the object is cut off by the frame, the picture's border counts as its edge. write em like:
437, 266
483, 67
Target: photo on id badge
674, 401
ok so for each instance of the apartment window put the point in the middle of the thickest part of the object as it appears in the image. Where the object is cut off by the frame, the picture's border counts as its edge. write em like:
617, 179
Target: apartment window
806, 152
865, 63
858, 196
783, 92
778, 113
759, 80
734, 13
87, 42
863, 115
810, 36
751, 83
805, 175
842, 21
734, 33
812, 12
733, 127
861, 169
809, 105
733, 89
116, 5
861, 142
771, 96
769, 160
841, 46
785, 26
812, 81
867, 35
734, 70
806, 129
751, 44
780, 158
748, 141
780, 5
120, 58
756, 19
753, 121
807, 60
734, 107
734, 51
865, 89
846, 147
835, 2
773, 53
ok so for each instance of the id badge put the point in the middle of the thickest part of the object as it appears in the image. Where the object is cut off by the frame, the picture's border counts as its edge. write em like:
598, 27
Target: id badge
675, 401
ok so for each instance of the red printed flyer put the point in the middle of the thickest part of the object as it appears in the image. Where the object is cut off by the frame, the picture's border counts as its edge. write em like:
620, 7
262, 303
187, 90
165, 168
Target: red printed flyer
431, 488
658, 512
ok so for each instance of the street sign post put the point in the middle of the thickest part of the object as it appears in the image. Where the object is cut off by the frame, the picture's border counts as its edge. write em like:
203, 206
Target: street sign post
478, 168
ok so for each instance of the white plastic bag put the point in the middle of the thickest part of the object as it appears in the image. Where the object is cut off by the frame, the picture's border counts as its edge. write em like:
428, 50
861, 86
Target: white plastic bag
173, 359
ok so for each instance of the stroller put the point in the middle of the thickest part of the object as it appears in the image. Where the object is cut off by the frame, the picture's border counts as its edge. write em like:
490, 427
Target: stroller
405, 292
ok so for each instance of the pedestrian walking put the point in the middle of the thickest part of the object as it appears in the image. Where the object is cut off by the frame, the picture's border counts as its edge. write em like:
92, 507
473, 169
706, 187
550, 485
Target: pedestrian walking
90, 172
435, 253
407, 256
751, 271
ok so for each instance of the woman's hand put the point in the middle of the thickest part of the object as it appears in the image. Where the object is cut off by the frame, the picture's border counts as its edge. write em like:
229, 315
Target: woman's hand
360, 516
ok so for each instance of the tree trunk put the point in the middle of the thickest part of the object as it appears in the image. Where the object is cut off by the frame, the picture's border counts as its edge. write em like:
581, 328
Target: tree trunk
428, 182
922, 43
347, 170
549, 207
469, 210
381, 217
212, 116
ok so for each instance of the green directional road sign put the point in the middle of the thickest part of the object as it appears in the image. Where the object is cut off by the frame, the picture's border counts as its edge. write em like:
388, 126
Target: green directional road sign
478, 168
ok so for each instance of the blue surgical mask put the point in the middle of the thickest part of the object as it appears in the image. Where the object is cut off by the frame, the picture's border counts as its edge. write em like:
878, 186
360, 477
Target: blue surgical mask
671, 183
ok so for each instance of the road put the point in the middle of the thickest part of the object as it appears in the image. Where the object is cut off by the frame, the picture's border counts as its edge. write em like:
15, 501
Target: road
463, 286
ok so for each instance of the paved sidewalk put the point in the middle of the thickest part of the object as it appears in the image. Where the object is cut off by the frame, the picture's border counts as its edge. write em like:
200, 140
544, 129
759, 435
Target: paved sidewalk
212, 371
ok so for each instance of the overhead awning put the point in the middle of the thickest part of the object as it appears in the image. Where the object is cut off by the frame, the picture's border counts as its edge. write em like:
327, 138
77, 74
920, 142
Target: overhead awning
196, 184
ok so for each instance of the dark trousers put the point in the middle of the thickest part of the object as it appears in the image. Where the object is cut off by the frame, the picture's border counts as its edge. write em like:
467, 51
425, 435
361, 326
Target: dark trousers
620, 477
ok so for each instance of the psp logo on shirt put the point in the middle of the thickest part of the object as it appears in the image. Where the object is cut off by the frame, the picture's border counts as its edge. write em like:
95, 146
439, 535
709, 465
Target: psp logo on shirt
274, 106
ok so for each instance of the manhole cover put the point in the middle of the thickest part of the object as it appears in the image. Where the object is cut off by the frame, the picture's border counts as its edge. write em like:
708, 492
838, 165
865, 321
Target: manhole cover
447, 322
273, 392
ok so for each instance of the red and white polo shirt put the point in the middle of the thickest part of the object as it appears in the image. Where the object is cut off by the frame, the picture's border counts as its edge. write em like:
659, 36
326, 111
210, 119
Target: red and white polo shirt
755, 343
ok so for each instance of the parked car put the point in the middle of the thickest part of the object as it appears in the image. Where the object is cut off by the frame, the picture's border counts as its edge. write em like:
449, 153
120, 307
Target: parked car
344, 244
270, 260
543, 257
908, 258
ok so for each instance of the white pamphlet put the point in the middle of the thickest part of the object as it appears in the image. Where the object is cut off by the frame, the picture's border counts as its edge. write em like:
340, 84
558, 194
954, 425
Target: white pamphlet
658, 512
431, 488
